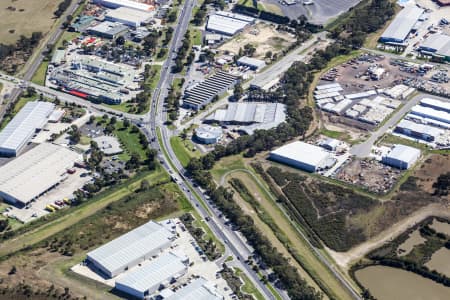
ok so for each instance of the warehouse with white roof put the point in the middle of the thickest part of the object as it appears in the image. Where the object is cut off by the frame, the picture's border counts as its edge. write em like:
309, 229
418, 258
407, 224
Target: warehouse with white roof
125, 3
129, 16
227, 23
145, 280
401, 157
24, 179
198, 289
15, 136
418, 131
400, 28
437, 45
303, 156
130, 249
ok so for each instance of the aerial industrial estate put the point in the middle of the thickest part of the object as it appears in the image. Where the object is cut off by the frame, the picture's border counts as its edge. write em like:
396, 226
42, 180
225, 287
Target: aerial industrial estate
168, 149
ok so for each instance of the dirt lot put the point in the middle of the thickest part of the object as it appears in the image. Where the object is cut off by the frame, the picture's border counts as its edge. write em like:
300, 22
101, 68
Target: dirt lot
433, 166
369, 174
22, 17
264, 37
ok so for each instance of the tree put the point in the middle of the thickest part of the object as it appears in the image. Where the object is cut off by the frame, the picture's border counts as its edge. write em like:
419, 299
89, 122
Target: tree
238, 91
145, 185
74, 134
126, 123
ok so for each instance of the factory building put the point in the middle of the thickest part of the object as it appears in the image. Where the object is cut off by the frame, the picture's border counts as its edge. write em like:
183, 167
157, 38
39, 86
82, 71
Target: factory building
401, 157
130, 249
250, 115
207, 134
32, 117
436, 104
252, 63
418, 131
400, 28
129, 16
124, 3
330, 144
437, 45
303, 156
203, 93
108, 30
430, 113
145, 280
37, 171
198, 289
227, 23
58, 57
108, 145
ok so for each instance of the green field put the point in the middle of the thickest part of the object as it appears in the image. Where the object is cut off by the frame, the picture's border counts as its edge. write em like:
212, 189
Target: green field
41, 72
183, 149
41, 229
130, 141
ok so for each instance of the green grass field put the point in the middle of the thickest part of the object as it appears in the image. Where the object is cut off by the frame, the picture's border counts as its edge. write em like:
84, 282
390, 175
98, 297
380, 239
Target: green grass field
41, 72
130, 141
248, 286
184, 150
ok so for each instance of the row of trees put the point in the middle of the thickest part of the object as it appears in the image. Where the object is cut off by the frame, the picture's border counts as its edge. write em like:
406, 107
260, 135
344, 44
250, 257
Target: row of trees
296, 287
62, 8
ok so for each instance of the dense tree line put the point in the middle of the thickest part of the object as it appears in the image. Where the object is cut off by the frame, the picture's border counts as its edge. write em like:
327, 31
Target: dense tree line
24, 44
296, 287
62, 8
442, 185
182, 55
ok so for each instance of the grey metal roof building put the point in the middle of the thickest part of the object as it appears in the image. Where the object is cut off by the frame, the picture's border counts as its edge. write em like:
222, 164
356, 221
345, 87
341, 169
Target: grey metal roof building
108, 144
129, 16
108, 30
420, 131
130, 249
401, 157
404, 22
24, 179
199, 289
227, 23
304, 156
145, 280
208, 134
204, 93
250, 115
15, 136
437, 45
252, 63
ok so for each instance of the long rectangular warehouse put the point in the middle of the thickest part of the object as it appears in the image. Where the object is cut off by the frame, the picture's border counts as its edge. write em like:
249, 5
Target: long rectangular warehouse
18, 132
436, 104
304, 156
26, 178
130, 249
404, 22
145, 280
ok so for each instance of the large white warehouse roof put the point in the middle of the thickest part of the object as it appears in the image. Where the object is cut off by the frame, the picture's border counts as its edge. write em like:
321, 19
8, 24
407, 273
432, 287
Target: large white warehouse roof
129, 16
199, 289
402, 25
22, 127
124, 3
302, 155
228, 25
36, 171
126, 249
437, 104
152, 274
